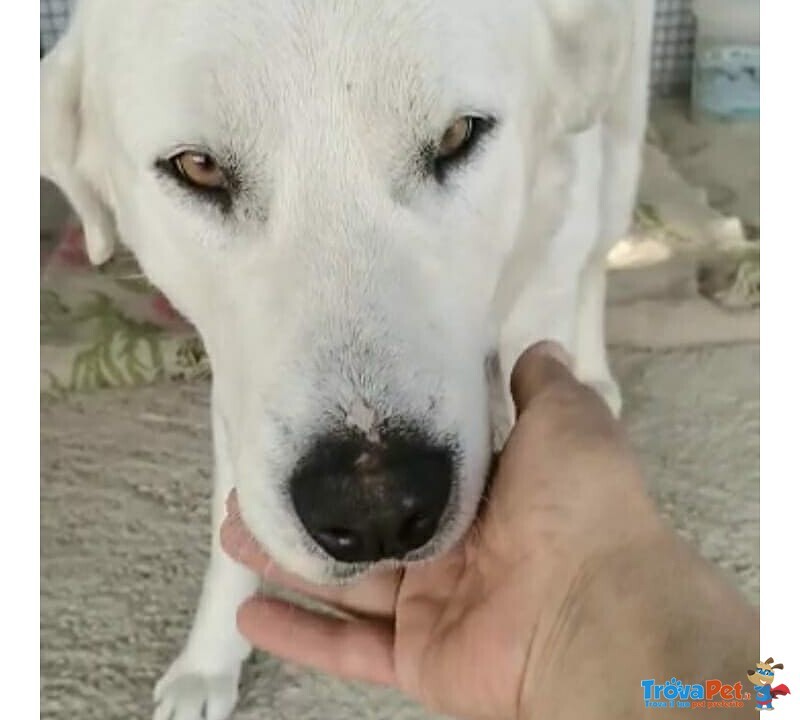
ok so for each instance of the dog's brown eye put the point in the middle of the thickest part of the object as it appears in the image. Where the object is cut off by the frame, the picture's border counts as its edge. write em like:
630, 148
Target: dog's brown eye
200, 170
455, 138
457, 143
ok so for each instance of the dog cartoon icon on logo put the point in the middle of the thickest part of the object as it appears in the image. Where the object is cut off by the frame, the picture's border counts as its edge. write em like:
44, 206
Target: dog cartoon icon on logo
762, 678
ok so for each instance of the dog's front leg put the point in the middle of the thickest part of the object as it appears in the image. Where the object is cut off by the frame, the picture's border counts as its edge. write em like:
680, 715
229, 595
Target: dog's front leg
549, 305
622, 139
203, 681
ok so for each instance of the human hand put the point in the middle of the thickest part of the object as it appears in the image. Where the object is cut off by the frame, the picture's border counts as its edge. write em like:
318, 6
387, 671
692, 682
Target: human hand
471, 633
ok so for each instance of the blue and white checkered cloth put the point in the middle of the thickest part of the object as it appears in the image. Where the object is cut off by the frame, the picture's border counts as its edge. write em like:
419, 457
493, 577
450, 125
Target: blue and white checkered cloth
52, 21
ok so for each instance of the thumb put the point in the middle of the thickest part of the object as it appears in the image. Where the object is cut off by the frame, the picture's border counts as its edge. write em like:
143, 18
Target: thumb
542, 364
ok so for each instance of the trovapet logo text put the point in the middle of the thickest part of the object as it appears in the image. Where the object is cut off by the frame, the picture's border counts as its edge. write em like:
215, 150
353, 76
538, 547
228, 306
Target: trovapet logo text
709, 694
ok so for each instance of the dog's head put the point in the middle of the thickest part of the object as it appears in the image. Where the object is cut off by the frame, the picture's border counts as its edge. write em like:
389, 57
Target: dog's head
329, 191
764, 673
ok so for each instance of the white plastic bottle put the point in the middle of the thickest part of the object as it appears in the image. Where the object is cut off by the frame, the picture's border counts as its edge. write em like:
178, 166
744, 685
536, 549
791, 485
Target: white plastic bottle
727, 67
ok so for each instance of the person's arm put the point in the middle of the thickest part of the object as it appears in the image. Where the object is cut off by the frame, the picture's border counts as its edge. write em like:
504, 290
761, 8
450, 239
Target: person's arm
652, 612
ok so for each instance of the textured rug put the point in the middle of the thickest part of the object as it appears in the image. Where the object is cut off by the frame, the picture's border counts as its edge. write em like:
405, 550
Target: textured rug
125, 484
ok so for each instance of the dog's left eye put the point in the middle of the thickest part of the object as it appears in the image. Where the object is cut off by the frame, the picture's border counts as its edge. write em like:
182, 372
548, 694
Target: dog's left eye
458, 142
456, 137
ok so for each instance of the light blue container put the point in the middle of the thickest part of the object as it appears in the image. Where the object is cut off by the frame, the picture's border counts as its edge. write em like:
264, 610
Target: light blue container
727, 69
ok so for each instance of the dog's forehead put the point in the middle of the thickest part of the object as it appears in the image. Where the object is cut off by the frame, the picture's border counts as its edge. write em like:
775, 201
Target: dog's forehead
271, 64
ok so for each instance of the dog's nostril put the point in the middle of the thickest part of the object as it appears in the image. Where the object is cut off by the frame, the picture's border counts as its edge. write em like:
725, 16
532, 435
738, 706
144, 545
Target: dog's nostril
338, 542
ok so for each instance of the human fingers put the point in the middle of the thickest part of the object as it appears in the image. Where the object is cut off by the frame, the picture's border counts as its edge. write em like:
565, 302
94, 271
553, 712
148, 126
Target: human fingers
542, 380
354, 650
539, 366
566, 469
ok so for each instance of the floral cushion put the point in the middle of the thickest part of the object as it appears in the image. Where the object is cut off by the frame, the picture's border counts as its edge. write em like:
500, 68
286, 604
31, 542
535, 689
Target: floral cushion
108, 326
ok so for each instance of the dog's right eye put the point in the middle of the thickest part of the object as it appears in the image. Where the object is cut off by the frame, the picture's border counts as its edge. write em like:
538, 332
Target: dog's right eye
201, 174
199, 169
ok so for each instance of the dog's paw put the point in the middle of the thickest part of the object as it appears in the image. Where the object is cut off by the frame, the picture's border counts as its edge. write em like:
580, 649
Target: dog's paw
186, 692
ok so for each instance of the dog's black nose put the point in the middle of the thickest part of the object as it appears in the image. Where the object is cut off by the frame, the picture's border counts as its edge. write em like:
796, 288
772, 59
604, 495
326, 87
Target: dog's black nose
364, 501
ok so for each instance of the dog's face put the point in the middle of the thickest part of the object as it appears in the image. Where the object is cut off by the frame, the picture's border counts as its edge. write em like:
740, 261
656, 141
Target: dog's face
328, 191
763, 674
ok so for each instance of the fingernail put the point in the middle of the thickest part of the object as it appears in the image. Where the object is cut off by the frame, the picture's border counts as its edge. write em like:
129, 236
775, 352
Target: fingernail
231, 538
554, 350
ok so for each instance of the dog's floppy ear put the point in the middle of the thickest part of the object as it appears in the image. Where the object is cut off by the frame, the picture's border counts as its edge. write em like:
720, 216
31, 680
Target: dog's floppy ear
588, 44
61, 141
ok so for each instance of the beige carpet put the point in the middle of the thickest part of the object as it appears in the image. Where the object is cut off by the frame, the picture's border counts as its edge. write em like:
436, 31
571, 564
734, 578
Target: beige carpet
125, 481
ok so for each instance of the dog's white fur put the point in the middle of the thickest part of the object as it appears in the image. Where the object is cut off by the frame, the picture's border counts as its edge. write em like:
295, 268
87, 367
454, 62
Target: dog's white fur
342, 280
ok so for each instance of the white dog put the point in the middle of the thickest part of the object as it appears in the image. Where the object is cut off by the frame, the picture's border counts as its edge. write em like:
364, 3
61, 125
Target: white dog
360, 204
